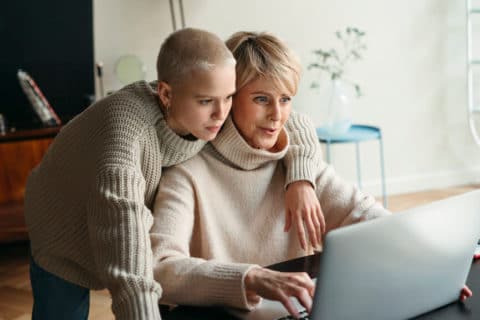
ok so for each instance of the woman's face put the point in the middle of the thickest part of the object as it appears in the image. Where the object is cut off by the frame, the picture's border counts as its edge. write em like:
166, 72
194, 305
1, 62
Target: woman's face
200, 103
259, 111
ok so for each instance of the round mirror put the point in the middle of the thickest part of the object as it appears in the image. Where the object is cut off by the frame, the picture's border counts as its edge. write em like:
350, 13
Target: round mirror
129, 68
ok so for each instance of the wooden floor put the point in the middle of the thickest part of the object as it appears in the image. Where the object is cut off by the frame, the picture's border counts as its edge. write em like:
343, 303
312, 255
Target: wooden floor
15, 292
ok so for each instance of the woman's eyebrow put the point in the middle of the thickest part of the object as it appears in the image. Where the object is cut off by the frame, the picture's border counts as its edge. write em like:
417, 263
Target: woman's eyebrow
270, 93
199, 95
262, 92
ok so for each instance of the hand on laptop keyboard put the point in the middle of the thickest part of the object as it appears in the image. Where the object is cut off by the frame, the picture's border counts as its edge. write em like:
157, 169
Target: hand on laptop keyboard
281, 286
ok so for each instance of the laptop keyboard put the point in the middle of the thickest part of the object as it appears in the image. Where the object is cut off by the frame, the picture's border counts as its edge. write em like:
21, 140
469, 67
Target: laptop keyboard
303, 316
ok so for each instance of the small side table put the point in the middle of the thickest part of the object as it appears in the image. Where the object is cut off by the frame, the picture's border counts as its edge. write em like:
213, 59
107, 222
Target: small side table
356, 134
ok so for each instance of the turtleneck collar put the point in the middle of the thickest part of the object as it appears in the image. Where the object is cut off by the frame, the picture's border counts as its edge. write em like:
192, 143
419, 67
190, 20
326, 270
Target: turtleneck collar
231, 145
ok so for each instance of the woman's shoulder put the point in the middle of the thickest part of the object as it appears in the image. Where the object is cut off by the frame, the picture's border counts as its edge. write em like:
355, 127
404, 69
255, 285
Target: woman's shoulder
135, 104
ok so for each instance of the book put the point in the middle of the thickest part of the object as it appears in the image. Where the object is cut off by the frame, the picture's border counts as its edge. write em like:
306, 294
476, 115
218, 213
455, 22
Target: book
40, 104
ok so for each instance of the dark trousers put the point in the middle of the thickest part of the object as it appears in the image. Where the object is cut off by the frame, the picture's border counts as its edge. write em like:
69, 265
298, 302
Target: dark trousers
55, 298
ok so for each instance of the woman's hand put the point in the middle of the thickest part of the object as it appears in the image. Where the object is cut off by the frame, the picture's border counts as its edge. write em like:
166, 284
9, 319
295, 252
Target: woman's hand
280, 286
302, 209
465, 293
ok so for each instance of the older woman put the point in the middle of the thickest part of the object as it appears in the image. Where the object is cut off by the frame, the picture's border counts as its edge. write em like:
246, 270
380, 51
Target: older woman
218, 217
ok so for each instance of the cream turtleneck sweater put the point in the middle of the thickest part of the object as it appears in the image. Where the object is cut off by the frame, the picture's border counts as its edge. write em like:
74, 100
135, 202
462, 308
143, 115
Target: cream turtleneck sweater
222, 212
88, 204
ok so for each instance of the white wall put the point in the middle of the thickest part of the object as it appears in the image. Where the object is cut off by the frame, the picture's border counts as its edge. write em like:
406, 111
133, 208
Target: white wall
413, 74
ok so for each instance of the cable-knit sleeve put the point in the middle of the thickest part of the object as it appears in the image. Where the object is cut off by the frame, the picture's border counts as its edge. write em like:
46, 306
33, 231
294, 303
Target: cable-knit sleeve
304, 151
185, 279
118, 223
118, 218
342, 202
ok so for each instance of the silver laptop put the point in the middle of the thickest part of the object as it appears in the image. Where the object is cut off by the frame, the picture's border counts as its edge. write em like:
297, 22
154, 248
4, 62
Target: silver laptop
395, 267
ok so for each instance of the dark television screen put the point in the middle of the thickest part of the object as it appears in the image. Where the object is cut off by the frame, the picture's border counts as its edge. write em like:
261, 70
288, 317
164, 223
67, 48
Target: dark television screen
52, 40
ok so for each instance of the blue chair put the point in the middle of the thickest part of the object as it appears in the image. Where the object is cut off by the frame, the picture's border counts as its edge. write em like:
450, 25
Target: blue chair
356, 134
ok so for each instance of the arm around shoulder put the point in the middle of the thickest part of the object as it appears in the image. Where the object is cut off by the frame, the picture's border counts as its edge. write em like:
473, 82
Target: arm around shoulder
304, 152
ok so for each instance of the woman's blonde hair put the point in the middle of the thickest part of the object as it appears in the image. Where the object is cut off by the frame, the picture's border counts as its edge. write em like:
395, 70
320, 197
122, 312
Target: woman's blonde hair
264, 55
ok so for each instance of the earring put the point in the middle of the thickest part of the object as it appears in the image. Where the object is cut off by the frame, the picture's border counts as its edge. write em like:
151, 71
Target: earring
167, 111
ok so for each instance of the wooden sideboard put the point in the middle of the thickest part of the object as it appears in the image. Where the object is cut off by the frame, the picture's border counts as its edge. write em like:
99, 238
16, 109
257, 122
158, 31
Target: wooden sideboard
20, 152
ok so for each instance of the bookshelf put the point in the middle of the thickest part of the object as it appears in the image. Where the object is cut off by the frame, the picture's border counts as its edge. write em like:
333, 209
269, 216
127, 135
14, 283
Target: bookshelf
20, 152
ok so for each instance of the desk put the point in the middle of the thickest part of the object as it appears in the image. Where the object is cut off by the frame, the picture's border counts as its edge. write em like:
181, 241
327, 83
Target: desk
458, 310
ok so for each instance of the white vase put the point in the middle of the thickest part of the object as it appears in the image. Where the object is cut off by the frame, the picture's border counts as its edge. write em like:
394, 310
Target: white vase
339, 113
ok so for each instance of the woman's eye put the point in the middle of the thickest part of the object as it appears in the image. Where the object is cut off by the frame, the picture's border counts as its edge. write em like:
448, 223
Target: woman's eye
205, 102
261, 99
285, 99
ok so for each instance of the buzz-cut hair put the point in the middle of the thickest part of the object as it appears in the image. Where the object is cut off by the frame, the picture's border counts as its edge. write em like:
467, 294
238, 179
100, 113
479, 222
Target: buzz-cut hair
190, 49
262, 55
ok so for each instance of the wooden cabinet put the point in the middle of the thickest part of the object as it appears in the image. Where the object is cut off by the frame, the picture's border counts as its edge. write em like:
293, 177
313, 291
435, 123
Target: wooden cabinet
20, 152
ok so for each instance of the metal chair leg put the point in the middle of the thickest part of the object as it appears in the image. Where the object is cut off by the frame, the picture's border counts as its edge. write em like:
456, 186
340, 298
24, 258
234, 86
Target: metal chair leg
382, 167
359, 174
328, 152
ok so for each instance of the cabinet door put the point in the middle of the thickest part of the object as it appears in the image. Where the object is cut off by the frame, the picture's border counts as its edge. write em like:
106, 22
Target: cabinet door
16, 161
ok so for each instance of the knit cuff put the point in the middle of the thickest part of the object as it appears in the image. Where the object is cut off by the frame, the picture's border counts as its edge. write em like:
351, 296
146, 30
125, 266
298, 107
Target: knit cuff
229, 287
136, 305
300, 168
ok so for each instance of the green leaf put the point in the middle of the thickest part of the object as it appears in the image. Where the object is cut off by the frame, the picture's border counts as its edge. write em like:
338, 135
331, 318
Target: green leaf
356, 54
326, 68
319, 52
358, 90
333, 62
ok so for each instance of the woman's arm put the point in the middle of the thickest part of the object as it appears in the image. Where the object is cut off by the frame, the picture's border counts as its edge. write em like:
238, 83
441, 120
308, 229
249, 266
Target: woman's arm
302, 208
118, 224
342, 202
304, 152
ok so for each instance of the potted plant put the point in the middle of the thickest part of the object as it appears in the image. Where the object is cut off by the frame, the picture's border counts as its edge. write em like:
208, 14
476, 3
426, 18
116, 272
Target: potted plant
334, 63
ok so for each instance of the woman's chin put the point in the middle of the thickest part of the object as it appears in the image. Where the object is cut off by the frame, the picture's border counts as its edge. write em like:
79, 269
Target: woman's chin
206, 136
264, 145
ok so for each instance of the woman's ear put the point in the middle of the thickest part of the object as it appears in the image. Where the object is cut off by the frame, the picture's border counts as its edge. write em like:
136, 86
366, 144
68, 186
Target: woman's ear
164, 93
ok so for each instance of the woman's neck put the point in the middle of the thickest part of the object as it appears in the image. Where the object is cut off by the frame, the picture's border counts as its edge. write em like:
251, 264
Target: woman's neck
281, 142
173, 124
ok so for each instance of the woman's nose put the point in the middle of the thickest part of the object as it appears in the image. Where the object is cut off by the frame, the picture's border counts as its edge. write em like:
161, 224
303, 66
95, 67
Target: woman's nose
222, 109
275, 113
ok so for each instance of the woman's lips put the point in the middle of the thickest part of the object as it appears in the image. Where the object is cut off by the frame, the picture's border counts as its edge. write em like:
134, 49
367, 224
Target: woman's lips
214, 129
269, 131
